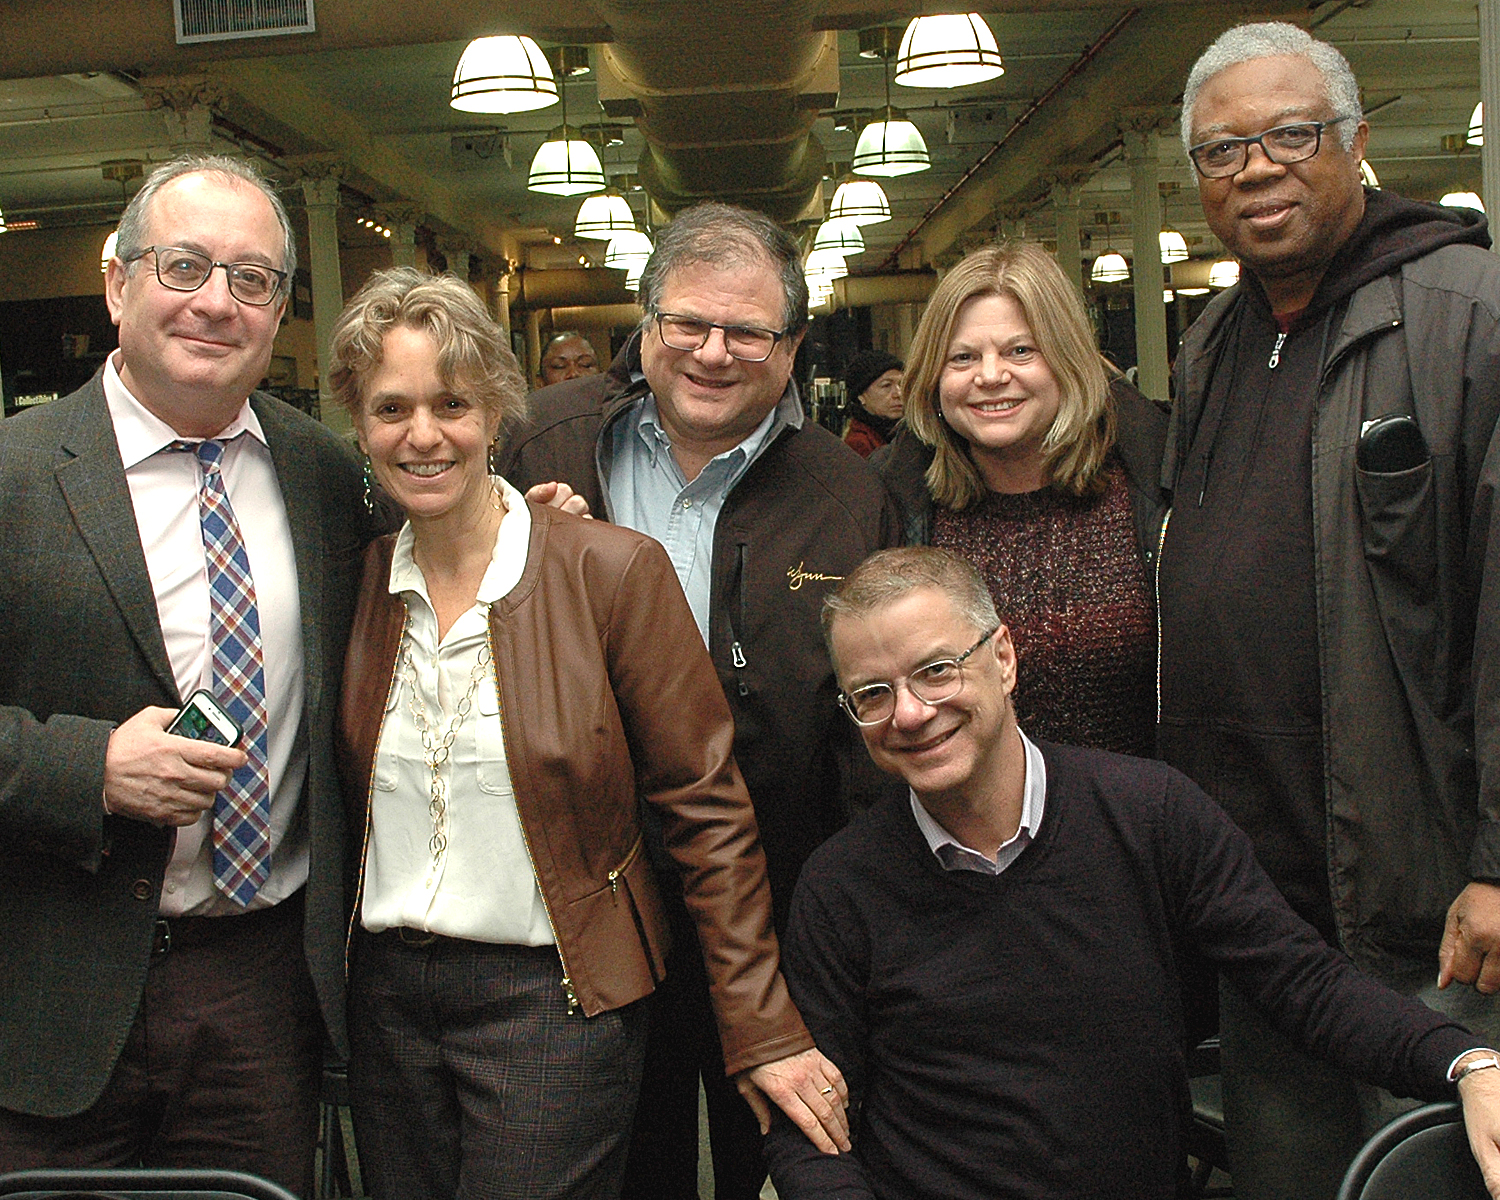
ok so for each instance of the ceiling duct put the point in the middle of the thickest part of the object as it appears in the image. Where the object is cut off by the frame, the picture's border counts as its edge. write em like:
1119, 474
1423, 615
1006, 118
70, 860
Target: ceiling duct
724, 118
223, 20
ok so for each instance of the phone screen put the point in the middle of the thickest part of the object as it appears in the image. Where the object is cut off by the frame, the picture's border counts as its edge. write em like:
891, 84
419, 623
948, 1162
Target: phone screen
193, 722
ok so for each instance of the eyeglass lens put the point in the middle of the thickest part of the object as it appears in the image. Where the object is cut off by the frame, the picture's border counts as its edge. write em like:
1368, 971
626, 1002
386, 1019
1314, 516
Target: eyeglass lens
744, 342
187, 270
1284, 145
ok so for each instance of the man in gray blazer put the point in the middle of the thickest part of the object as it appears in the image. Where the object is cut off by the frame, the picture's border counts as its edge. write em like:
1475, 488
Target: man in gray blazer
152, 1010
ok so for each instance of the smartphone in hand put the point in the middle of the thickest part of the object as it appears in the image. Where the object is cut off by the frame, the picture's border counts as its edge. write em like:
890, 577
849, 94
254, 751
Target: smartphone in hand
204, 719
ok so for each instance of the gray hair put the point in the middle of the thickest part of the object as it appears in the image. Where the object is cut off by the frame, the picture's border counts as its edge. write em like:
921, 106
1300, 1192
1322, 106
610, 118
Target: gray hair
888, 575
132, 233
725, 236
1269, 39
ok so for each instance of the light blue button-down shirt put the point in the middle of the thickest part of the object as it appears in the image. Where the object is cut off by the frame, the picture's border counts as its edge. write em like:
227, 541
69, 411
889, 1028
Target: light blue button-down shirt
648, 491
955, 856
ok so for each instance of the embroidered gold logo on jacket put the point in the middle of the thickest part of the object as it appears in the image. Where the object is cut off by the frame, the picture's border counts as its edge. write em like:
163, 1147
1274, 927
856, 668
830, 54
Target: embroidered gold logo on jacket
796, 577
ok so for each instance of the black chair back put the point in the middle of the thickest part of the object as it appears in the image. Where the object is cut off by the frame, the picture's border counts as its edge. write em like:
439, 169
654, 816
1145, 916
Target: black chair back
110, 1183
1421, 1155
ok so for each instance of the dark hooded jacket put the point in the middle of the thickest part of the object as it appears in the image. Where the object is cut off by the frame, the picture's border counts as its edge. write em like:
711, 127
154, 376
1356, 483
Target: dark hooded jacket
1359, 604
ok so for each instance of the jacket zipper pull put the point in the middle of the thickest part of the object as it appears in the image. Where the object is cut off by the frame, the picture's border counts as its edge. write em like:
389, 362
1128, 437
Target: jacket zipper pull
614, 885
1276, 351
737, 655
567, 987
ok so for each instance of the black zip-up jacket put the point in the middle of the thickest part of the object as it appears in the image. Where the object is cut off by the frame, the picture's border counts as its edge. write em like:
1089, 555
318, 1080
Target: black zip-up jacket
806, 512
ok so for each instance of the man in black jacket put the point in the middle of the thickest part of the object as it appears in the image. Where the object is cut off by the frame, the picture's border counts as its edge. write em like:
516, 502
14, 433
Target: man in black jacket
1327, 619
696, 436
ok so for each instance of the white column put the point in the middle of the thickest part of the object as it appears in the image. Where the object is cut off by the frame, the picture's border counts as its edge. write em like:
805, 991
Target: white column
321, 193
1146, 272
402, 222
1489, 92
187, 106
1069, 241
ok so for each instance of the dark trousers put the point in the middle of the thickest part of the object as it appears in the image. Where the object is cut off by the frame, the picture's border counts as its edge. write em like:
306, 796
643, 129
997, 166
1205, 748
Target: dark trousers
684, 1046
221, 1068
470, 1079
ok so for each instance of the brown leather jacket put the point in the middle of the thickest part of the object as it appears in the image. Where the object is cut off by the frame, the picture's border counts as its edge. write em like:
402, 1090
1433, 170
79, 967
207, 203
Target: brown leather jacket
608, 694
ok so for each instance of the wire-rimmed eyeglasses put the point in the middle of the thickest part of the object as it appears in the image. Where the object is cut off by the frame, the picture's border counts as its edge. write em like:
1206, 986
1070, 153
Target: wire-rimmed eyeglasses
748, 343
184, 270
931, 684
1221, 157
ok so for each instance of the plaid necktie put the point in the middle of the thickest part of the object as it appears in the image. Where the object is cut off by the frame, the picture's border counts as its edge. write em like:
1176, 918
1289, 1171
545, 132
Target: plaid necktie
241, 835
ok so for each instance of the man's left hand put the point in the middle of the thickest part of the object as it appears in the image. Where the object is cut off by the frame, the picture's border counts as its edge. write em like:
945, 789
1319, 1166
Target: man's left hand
1480, 1095
1470, 952
559, 495
809, 1089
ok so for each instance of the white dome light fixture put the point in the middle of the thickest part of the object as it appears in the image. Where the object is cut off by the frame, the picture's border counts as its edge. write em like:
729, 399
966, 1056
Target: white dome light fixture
827, 263
566, 165
862, 201
1462, 200
948, 51
840, 235
108, 252
1224, 273
628, 250
890, 145
1476, 126
603, 215
1367, 174
503, 75
1173, 246
1110, 267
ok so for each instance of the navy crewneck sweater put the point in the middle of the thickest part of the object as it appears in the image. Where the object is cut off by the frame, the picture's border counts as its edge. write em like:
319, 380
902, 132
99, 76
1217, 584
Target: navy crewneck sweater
1021, 1035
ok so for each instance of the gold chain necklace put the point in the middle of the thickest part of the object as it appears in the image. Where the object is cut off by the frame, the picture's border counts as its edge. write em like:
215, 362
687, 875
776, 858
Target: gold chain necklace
435, 747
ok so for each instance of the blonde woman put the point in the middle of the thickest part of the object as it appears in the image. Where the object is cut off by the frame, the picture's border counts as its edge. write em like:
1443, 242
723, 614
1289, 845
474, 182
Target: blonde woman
1019, 454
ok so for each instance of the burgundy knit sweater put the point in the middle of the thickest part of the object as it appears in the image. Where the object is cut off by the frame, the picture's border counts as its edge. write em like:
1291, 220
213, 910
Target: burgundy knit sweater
1069, 583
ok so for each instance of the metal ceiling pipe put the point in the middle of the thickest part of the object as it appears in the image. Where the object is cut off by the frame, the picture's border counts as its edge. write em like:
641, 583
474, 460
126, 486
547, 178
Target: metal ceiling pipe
897, 287
574, 286
757, 84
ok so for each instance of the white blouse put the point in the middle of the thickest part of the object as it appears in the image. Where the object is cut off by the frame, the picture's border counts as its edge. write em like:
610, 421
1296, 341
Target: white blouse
467, 874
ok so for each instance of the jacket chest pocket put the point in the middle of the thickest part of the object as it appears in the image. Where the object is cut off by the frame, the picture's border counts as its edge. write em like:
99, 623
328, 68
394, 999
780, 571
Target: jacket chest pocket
1400, 526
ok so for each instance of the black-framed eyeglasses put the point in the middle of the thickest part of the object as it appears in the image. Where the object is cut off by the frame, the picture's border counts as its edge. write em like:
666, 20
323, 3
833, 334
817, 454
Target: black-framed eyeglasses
186, 271
931, 684
748, 343
1286, 144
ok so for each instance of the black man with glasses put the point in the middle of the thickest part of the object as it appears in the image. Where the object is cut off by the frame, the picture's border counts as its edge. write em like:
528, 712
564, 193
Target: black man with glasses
1330, 671
171, 959
992, 957
696, 436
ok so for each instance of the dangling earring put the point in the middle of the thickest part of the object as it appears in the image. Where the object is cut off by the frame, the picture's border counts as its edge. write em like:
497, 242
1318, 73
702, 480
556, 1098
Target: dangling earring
369, 479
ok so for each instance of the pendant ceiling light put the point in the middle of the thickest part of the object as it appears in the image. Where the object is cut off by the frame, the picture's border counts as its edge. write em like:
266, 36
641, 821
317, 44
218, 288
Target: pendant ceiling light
108, 252
3, 227
566, 164
1173, 246
840, 235
1367, 174
947, 52
1476, 126
862, 201
1462, 200
827, 263
1224, 273
603, 215
889, 145
1192, 291
503, 75
627, 250
1110, 267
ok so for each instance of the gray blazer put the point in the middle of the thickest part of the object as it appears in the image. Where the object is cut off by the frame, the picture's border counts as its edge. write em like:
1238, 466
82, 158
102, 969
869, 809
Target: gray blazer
81, 649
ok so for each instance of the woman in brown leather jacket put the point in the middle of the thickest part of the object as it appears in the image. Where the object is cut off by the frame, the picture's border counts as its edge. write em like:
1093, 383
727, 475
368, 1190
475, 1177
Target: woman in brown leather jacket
516, 678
